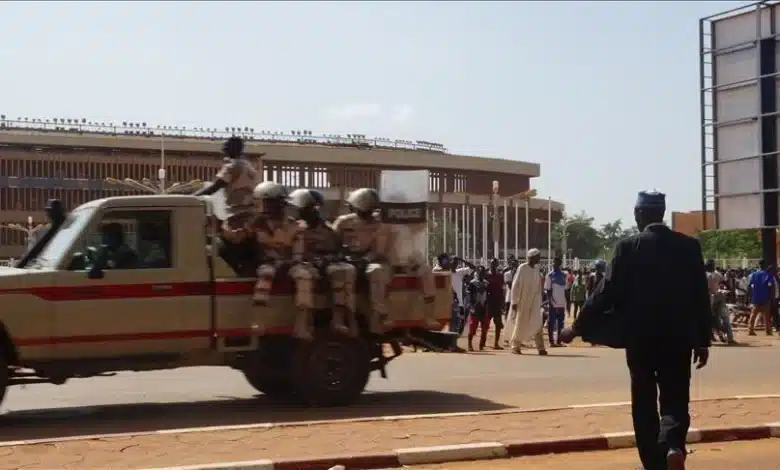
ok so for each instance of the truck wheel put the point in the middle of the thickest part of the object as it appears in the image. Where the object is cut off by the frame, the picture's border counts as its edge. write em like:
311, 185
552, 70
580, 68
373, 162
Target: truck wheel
331, 370
277, 387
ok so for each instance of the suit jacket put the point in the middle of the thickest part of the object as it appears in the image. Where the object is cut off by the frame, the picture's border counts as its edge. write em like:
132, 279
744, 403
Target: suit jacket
654, 294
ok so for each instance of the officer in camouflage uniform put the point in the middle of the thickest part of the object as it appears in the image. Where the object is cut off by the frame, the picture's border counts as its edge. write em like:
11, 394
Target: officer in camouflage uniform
282, 249
322, 251
238, 177
366, 240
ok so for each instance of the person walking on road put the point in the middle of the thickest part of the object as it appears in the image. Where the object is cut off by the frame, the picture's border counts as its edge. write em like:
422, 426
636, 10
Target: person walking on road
661, 325
555, 287
577, 294
761, 291
526, 305
495, 300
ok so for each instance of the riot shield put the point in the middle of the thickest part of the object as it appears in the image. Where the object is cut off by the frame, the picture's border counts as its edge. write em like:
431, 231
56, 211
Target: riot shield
404, 196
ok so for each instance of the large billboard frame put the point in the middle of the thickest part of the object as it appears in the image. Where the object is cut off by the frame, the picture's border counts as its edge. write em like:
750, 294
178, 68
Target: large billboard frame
765, 194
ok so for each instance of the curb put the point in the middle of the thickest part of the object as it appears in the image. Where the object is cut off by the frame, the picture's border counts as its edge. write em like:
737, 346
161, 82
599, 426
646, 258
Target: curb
372, 419
485, 451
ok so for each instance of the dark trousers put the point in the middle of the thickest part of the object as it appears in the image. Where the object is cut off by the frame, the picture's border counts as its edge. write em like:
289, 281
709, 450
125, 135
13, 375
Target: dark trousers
659, 374
555, 323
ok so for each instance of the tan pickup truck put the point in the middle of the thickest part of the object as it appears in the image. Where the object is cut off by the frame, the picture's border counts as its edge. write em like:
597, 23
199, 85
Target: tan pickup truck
179, 305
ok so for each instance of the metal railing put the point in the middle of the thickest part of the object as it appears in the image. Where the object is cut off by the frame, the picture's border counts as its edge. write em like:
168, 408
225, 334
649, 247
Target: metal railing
142, 129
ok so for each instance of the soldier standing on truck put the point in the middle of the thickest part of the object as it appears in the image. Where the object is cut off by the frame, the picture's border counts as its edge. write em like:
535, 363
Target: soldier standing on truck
238, 177
322, 248
366, 241
281, 251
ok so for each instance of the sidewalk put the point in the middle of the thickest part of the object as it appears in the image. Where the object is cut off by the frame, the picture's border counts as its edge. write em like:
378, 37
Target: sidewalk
751, 455
174, 449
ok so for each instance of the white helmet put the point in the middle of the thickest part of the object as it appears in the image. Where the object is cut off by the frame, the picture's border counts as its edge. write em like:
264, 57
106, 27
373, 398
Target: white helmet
269, 190
364, 199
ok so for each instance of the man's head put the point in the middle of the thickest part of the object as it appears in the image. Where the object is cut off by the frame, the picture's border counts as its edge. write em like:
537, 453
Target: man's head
557, 263
534, 256
649, 209
233, 147
271, 198
493, 264
112, 234
308, 203
445, 261
481, 271
600, 266
710, 265
363, 202
762, 264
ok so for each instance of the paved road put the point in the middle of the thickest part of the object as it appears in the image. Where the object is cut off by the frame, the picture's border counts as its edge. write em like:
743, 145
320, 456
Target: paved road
419, 383
752, 455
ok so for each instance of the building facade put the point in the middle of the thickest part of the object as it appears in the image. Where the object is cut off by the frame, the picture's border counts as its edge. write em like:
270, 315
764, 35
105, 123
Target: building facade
42, 160
693, 222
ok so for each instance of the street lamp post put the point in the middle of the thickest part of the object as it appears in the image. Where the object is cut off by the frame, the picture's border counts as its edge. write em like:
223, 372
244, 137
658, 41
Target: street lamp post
30, 229
524, 196
565, 224
160, 187
496, 221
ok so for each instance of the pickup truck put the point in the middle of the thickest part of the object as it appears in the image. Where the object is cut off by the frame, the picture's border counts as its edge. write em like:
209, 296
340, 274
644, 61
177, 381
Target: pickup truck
181, 305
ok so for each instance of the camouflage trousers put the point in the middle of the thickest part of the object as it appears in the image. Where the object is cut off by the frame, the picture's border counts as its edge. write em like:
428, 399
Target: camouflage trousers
378, 276
341, 279
428, 288
304, 277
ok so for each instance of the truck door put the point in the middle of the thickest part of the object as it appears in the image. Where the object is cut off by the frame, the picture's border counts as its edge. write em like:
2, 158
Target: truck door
154, 296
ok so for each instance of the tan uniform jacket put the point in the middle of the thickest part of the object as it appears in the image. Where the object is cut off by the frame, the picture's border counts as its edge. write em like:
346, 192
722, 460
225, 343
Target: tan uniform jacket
279, 240
362, 237
319, 241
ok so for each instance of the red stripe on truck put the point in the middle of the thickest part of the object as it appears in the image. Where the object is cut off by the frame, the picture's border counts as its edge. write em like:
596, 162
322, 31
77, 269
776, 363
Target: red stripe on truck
177, 289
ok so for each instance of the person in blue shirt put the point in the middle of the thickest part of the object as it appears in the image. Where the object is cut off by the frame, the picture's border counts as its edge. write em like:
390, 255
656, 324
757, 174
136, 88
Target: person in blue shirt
555, 288
761, 291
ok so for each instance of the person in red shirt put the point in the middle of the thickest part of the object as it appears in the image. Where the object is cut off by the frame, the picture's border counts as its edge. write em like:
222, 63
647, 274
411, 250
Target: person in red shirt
495, 300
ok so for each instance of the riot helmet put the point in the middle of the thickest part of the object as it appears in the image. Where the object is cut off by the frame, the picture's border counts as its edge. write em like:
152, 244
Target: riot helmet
363, 200
271, 198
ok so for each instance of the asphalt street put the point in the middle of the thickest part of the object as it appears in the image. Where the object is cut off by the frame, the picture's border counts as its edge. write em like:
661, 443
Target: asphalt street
751, 455
419, 383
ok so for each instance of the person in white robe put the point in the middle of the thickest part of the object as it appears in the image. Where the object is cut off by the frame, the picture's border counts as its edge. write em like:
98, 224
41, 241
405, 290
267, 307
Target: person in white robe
525, 311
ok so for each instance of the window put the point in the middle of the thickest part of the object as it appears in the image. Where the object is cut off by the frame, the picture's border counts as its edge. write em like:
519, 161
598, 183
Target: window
145, 241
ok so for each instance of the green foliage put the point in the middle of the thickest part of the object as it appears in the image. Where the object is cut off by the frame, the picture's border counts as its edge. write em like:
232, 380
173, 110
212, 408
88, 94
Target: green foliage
730, 244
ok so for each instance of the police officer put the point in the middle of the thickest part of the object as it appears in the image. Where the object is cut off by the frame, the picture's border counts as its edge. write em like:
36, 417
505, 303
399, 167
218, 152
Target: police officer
281, 251
238, 177
660, 324
322, 251
366, 242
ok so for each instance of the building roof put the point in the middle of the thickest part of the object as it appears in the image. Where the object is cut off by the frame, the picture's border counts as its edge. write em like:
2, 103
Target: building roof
278, 147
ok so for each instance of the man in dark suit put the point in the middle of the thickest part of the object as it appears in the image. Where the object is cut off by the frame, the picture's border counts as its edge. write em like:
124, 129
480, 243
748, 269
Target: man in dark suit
654, 303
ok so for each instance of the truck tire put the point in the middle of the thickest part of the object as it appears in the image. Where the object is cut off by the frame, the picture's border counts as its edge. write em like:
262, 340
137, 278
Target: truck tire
277, 387
331, 370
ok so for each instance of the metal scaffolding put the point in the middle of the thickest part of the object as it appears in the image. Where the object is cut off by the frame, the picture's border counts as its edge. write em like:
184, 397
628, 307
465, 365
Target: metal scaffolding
708, 86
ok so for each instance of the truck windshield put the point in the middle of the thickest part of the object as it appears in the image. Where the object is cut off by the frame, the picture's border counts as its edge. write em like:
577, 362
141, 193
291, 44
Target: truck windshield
58, 246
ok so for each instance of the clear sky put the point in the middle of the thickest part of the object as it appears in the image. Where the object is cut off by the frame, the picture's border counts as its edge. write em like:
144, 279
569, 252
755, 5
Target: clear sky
604, 95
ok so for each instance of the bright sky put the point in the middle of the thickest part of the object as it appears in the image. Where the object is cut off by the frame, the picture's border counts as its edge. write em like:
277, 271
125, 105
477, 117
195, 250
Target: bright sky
603, 95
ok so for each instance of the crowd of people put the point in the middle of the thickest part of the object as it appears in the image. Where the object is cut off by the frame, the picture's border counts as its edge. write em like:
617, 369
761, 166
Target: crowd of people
744, 294
482, 297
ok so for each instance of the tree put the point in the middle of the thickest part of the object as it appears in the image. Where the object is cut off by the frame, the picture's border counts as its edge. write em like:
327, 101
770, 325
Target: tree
730, 244
582, 239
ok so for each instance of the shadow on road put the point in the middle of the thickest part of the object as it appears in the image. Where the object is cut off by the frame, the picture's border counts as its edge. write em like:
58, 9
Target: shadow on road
143, 417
